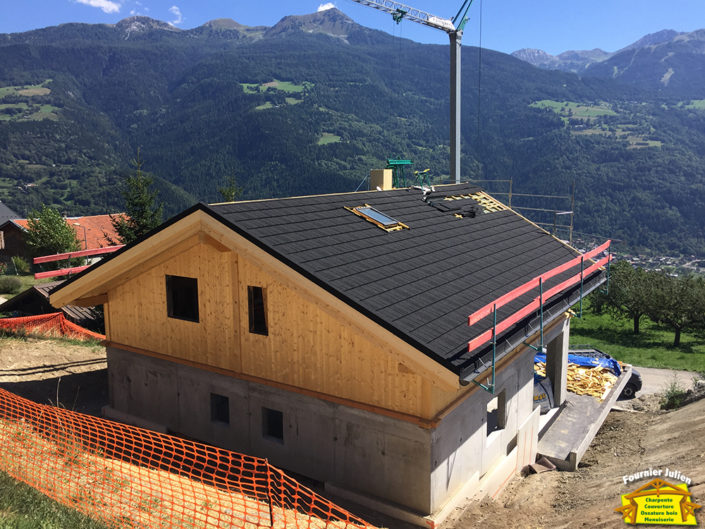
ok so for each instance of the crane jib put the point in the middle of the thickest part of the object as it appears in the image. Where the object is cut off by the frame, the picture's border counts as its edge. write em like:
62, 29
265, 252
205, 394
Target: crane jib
401, 11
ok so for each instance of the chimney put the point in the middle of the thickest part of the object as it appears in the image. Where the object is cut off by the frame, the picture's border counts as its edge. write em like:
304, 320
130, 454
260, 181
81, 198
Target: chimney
381, 178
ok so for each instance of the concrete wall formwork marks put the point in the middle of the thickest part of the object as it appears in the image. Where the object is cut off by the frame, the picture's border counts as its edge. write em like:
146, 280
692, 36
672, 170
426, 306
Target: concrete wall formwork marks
352, 448
462, 449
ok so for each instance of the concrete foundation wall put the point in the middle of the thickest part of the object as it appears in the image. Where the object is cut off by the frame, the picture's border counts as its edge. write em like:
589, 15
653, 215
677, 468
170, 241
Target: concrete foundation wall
351, 448
461, 447
397, 461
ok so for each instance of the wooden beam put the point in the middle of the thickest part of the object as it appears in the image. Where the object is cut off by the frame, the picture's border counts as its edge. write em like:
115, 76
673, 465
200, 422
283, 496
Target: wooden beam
92, 301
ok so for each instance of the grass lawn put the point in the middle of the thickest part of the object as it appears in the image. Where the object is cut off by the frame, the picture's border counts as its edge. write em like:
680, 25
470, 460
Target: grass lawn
26, 281
575, 110
328, 137
22, 507
652, 347
696, 104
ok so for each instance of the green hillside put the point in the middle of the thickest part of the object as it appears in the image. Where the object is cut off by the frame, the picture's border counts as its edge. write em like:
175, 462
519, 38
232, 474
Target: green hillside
314, 103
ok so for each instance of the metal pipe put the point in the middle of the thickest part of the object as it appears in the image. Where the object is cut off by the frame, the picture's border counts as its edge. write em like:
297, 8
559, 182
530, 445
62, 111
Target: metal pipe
455, 78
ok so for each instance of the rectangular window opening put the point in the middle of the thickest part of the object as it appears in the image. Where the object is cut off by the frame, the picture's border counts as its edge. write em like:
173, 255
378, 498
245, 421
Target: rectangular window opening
182, 298
497, 413
273, 424
220, 408
257, 310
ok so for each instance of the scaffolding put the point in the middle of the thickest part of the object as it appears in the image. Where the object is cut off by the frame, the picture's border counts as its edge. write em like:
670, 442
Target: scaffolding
548, 218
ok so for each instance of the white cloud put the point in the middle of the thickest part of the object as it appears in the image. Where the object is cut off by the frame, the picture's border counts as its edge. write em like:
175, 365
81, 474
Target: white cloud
174, 10
325, 7
107, 6
140, 10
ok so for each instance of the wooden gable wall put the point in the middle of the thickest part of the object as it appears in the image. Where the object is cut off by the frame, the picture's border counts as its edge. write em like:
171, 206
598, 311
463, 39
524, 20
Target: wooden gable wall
309, 345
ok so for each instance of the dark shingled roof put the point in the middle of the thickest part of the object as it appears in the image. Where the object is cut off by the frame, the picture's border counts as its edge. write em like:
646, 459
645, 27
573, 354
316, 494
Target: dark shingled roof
421, 283
6, 213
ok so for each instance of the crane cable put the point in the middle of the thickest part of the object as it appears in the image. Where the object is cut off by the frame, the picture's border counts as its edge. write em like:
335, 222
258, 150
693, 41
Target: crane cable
479, 83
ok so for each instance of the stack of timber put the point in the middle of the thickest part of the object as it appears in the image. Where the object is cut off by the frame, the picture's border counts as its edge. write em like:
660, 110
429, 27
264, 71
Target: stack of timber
594, 381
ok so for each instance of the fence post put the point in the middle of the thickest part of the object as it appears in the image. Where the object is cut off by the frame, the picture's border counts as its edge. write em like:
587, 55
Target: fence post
269, 493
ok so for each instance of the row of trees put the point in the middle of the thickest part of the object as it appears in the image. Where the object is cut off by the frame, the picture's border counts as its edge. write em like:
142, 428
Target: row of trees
675, 301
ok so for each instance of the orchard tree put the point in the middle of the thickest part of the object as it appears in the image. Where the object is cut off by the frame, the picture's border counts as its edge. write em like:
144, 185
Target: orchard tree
142, 212
678, 302
629, 292
48, 233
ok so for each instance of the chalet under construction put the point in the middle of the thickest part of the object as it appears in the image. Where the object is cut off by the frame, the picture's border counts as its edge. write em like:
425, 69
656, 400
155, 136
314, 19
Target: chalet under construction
381, 342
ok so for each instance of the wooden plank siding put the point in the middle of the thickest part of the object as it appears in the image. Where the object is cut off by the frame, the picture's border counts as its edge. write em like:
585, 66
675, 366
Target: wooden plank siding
307, 346
138, 314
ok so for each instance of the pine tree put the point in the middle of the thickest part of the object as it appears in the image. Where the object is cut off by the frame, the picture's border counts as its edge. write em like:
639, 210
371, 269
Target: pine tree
142, 212
230, 191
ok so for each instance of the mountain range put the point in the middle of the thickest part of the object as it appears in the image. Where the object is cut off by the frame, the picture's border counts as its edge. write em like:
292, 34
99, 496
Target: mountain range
314, 102
667, 60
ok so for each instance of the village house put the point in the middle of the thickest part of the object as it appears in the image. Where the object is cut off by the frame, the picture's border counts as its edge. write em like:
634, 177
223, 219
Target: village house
331, 335
92, 232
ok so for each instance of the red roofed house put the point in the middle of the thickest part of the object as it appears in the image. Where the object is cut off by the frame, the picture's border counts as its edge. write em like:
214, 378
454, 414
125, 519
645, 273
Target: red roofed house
94, 231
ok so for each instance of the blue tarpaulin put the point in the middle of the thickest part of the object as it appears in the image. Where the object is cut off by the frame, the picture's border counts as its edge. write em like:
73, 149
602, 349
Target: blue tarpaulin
587, 361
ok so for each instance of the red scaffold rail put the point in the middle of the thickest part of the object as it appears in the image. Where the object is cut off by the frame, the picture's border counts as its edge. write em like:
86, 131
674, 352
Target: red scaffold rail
70, 255
535, 304
79, 253
60, 272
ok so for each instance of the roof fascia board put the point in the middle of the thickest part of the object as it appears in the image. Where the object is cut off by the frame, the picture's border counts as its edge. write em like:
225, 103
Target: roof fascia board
341, 310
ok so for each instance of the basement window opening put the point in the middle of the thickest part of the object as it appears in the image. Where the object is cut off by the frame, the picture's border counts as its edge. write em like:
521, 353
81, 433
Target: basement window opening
379, 219
220, 408
273, 425
182, 298
257, 310
497, 413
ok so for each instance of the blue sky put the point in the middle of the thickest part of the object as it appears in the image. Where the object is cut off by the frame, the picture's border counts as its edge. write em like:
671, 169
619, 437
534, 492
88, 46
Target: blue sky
507, 25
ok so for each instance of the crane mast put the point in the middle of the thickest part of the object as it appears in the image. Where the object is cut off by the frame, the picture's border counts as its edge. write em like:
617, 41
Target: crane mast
454, 28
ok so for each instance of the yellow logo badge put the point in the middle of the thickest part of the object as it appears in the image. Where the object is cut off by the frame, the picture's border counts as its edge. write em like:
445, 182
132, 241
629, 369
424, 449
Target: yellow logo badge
660, 503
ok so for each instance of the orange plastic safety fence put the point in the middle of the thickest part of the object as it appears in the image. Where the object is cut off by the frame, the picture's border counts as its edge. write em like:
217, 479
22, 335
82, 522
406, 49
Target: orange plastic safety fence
54, 324
128, 477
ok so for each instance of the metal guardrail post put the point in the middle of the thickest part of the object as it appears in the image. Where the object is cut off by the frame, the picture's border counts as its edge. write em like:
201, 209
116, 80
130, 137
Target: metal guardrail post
581, 286
607, 288
490, 387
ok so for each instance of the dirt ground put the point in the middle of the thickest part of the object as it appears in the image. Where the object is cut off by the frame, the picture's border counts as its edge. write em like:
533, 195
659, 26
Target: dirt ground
630, 441
51, 371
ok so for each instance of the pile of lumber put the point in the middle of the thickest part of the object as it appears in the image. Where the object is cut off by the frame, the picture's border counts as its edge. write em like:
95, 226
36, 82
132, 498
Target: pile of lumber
594, 381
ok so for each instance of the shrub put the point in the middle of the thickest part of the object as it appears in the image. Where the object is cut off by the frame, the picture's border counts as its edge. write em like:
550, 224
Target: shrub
9, 285
20, 264
674, 396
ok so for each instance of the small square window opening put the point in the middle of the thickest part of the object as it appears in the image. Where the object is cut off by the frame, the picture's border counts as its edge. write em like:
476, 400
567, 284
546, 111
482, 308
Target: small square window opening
182, 298
273, 424
220, 408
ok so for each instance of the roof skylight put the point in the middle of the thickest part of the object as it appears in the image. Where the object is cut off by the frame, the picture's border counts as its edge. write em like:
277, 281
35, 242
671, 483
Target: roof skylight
376, 217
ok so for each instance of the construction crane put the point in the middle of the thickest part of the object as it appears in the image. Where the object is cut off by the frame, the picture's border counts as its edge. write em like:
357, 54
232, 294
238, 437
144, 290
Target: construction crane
454, 28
